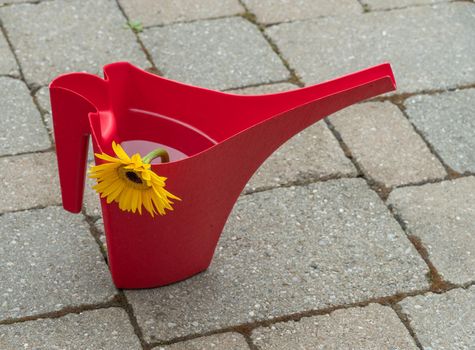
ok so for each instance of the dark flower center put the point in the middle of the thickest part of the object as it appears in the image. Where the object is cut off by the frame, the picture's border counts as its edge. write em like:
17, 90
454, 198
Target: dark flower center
133, 177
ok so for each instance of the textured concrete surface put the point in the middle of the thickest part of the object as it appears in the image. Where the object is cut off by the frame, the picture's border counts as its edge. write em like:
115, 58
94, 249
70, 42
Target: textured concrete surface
443, 321
447, 122
55, 37
443, 216
395, 4
310, 155
275, 11
152, 12
8, 65
28, 181
373, 327
284, 251
21, 129
220, 54
49, 261
386, 145
104, 329
228, 341
326, 48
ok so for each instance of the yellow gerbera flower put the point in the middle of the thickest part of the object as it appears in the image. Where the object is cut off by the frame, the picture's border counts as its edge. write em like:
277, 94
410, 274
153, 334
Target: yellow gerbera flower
130, 182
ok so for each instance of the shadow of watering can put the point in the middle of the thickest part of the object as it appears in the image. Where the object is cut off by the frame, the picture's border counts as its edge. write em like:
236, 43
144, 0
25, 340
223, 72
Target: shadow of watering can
225, 138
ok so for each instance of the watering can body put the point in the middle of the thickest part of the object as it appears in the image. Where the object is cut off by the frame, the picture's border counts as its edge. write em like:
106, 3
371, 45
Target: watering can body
225, 138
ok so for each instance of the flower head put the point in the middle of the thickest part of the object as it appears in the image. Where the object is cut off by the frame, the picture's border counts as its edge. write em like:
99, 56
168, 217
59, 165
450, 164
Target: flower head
130, 182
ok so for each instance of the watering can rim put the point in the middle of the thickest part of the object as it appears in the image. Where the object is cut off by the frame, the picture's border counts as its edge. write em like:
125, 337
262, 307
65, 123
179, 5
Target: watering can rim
108, 67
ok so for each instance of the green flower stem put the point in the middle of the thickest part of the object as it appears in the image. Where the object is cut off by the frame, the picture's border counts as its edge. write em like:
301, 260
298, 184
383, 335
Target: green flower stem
159, 152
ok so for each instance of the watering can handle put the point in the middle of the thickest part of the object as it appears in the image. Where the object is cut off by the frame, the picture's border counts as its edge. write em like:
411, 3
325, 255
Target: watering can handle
73, 97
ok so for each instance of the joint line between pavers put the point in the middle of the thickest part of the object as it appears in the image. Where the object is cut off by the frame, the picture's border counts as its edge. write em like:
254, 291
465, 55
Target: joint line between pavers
405, 321
139, 41
30, 208
451, 174
32, 89
63, 312
46, 150
259, 85
121, 299
251, 17
247, 328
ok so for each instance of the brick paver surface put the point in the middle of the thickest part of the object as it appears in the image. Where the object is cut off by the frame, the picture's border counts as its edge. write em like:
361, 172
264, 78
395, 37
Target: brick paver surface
356, 233
220, 53
442, 215
414, 40
446, 121
443, 321
372, 327
286, 251
385, 144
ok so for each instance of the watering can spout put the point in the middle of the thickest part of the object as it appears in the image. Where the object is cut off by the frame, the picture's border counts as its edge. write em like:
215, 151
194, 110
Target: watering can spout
73, 97
282, 115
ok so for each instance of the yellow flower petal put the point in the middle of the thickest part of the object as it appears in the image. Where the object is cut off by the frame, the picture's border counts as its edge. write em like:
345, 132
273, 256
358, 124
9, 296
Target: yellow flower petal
131, 183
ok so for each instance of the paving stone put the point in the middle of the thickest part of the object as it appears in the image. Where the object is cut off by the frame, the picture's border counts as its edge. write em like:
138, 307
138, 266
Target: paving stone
152, 12
310, 155
97, 329
49, 261
447, 123
288, 250
22, 129
443, 216
8, 64
413, 40
220, 54
275, 11
28, 181
228, 341
386, 145
393, 4
372, 327
56, 37
443, 321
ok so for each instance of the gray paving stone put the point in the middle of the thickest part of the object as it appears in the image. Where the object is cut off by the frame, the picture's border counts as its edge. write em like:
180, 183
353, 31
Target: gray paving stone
28, 181
310, 155
448, 124
393, 4
275, 11
152, 12
443, 321
225, 341
49, 261
22, 129
443, 216
413, 40
8, 64
56, 37
284, 251
90, 330
220, 54
373, 327
386, 145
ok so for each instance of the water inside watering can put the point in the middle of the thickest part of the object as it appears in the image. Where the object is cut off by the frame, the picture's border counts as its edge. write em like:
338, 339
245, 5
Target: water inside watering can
144, 147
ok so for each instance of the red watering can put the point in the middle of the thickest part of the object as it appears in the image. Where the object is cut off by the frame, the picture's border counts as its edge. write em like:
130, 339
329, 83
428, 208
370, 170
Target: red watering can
223, 137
